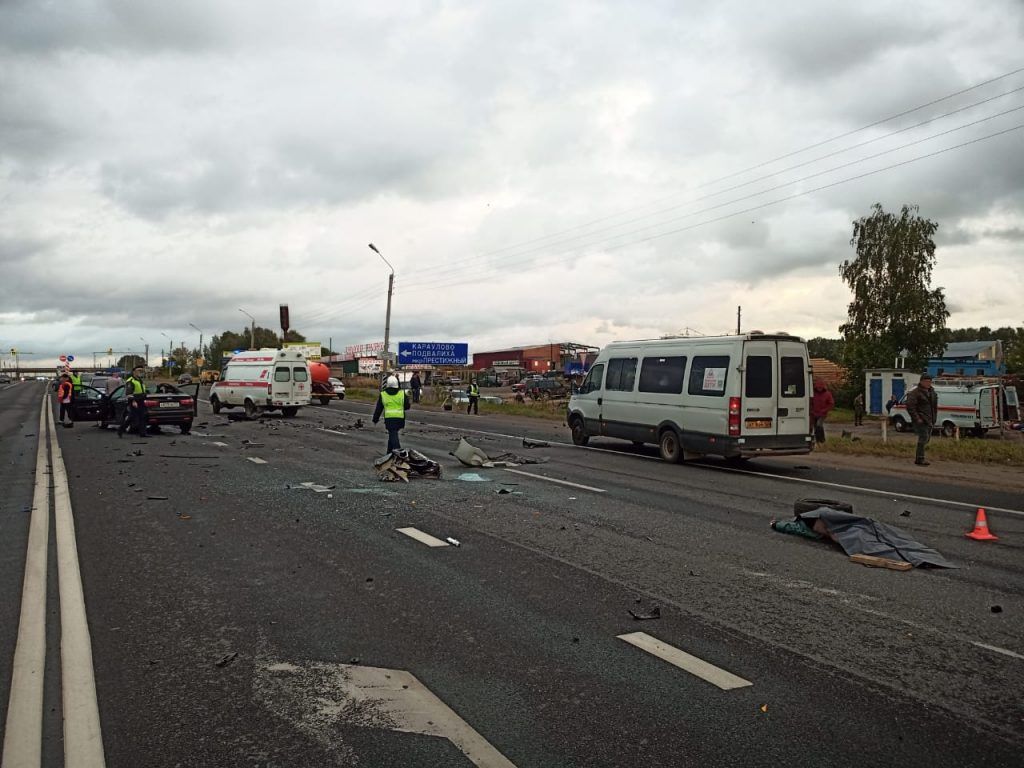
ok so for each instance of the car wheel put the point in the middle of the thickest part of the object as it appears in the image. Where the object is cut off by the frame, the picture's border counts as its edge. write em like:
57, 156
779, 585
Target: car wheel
289, 412
324, 400
899, 424
669, 447
251, 411
185, 428
948, 429
215, 404
341, 396
579, 433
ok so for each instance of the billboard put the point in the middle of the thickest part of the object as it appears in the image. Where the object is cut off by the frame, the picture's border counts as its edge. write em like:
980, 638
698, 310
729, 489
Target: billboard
309, 349
370, 365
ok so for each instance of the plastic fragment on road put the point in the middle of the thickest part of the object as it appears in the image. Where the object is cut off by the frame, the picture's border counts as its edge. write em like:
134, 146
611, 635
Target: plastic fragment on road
471, 456
473, 477
653, 613
453, 542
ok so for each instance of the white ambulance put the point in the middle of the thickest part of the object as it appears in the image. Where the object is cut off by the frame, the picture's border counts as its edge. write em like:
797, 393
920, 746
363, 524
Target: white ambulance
971, 408
734, 396
264, 380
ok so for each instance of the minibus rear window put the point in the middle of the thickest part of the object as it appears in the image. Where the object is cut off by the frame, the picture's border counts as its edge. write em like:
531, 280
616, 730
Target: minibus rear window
758, 376
793, 377
300, 373
280, 374
662, 375
708, 375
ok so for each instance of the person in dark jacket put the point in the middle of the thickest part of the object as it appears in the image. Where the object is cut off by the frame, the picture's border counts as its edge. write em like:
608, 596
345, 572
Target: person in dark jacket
415, 385
858, 410
474, 398
392, 403
891, 403
923, 408
822, 404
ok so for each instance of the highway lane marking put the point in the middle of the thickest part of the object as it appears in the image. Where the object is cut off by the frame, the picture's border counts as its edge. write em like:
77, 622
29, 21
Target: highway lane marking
997, 649
219, 444
332, 431
423, 538
23, 739
256, 460
83, 736
555, 480
717, 676
768, 475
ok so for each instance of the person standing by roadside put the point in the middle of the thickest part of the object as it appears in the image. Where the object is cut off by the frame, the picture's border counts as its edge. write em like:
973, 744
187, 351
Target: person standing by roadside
76, 383
64, 391
113, 383
135, 409
822, 404
891, 403
474, 397
392, 403
923, 408
858, 410
416, 385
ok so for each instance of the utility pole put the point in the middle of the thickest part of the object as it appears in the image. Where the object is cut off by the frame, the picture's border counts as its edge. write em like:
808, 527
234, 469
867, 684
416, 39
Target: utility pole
739, 314
252, 329
147, 352
387, 318
199, 354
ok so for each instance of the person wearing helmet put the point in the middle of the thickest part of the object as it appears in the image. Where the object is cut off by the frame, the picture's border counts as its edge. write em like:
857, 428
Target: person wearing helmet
392, 403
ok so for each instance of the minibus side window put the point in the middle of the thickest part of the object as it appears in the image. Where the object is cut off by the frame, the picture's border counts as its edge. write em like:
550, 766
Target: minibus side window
280, 374
593, 381
300, 373
621, 374
662, 375
793, 377
708, 375
758, 376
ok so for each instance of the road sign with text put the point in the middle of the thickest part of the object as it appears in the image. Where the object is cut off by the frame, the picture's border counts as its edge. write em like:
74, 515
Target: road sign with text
432, 353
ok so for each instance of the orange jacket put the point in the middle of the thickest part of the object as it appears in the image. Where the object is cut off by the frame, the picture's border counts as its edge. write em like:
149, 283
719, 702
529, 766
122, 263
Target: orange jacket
64, 391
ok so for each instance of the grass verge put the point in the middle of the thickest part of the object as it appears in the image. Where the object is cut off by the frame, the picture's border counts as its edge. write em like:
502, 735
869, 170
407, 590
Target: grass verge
1007, 453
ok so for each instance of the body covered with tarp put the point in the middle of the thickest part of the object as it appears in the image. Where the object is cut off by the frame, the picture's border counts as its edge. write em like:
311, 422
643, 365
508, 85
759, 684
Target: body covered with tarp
859, 535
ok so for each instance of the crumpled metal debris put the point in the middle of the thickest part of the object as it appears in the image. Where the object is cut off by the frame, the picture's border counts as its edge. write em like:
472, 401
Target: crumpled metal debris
400, 464
472, 456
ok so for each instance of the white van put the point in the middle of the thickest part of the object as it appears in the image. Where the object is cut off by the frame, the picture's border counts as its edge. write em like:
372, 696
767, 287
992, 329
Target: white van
733, 396
971, 408
264, 380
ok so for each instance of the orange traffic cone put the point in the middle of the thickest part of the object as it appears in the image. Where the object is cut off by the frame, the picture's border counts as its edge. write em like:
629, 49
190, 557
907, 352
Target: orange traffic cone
981, 531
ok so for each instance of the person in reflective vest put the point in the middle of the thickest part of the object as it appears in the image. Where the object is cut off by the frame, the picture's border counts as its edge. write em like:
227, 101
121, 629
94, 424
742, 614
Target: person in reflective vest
474, 398
76, 383
135, 414
392, 405
64, 390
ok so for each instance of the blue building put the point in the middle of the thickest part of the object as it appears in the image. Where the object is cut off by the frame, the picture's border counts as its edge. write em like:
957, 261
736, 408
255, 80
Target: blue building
969, 358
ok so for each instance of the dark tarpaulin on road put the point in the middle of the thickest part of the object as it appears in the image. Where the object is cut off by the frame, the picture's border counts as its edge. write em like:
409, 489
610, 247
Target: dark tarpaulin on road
863, 536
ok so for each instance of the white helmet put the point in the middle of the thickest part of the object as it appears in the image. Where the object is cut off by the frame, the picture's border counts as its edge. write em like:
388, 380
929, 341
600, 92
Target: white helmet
392, 382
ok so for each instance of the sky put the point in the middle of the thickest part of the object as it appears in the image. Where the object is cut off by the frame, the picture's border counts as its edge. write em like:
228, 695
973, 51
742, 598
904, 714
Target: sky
534, 171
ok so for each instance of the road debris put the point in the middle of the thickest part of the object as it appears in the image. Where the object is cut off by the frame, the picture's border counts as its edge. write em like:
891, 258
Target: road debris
471, 456
997, 609
453, 542
858, 535
531, 443
156, 498
315, 487
400, 464
473, 477
654, 613
223, 661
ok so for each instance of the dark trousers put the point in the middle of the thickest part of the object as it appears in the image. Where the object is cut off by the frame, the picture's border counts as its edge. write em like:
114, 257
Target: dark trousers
394, 426
858, 417
416, 394
924, 434
65, 410
134, 419
474, 405
819, 429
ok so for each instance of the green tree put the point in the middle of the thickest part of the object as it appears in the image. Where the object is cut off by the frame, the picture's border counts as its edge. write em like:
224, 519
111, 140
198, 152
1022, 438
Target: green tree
130, 361
829, 349
231, 340
894, 307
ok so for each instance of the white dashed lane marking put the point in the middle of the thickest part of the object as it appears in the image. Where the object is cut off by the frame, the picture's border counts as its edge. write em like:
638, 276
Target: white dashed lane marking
555, 480
423, 538
685, 661
256, 460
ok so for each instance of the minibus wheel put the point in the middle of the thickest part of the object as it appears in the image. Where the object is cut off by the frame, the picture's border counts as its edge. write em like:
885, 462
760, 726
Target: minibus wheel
669, 447
250, 409
579, 433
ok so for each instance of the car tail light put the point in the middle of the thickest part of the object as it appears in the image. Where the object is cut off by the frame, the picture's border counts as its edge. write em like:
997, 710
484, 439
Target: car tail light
187, 402
734, 417
150, 403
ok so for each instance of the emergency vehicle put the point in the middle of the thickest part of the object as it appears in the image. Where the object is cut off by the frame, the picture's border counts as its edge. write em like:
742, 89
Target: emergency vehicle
971, 407
264, 380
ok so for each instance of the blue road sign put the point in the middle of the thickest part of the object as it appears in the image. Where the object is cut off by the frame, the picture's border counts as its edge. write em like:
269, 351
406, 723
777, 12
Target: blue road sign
71, 358
432, 353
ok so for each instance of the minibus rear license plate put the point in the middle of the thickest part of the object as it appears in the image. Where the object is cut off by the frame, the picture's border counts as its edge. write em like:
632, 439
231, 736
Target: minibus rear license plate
759, 423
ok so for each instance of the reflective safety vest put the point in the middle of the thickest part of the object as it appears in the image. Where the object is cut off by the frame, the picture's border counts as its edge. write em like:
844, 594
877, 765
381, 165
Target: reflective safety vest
76, 382
474, 390
394, 405
133, 386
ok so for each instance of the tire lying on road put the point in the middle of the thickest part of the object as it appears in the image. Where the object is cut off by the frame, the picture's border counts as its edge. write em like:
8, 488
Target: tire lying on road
809, 505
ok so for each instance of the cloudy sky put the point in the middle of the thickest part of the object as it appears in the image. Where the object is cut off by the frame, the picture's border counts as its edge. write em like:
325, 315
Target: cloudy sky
534, 171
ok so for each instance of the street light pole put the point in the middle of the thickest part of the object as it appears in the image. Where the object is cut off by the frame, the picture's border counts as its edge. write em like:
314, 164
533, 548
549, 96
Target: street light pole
198, 368
147, 352
252, 329
387, 318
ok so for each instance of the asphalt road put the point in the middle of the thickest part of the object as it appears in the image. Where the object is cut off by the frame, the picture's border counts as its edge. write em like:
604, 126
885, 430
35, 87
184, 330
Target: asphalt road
517, 629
